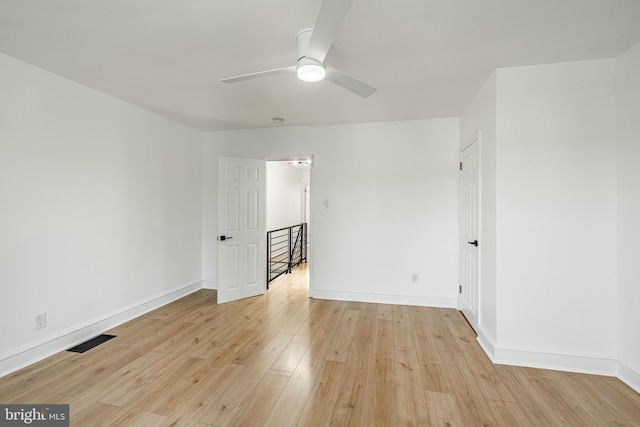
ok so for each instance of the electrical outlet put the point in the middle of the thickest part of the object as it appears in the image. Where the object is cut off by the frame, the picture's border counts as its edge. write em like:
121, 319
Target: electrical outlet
414, 277
41, 321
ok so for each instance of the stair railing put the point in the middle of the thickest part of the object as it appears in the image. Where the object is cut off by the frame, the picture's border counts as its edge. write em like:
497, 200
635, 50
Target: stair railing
286, 250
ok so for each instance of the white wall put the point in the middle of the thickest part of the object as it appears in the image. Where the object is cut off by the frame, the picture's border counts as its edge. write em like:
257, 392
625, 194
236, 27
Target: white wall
628, 92
101, 211
480, 115
393, 205
556, 209
285, 195
549, 211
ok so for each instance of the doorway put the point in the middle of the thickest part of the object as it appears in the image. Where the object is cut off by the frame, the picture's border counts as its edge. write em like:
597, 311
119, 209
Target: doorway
242, 218
288, 214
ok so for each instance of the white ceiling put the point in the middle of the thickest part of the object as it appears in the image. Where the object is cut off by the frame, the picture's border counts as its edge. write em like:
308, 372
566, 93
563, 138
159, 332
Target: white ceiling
426, 57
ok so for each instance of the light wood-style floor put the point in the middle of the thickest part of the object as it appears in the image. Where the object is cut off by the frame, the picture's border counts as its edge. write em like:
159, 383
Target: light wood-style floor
284, 359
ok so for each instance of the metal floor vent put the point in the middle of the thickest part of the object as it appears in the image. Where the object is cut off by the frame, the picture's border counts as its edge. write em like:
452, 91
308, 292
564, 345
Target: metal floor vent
93, 342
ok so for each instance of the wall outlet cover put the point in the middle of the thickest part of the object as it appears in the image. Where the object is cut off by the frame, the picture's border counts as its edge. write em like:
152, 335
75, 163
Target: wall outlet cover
41, 321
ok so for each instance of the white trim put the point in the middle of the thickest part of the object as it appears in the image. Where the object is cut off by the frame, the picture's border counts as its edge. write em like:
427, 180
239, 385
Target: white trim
441, 302
32, 352
629, 375
596, 364
209, 284
487, 342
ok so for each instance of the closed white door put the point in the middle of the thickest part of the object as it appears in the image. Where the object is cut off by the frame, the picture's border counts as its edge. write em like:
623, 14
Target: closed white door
469, 232
241, 229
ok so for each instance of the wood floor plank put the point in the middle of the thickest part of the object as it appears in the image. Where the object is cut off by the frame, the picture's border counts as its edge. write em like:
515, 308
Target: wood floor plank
298, 319
411, 400
339, 351
147, 419
189, 399
403, 333
291, 401
381, 402
381, 392
384, 311
537, 411
616, 394
248, 353
9, 391
329, 325
349, 409
293, 353
471, 401
93, 415
480, 366
283, 359
101, 366
210, 341
425, 343
366, 323
132, 379
439, 329
257, 407
434, 378
443, 409
383, 340
320, 310
324, 395
203, 407
568, 418
47, 371
190, 383
593, 404
554, 395
230, 402
159, 392
508, 414
29, 375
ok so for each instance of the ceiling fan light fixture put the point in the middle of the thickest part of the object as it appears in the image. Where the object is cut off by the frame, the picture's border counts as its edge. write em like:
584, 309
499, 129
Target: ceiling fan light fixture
313, 46
310, 70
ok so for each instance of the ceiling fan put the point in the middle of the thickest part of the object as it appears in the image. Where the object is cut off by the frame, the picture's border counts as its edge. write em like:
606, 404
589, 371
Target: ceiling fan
313, 46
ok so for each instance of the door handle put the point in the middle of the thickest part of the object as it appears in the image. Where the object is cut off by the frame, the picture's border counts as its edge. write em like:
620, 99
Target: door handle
474, 243
222, 238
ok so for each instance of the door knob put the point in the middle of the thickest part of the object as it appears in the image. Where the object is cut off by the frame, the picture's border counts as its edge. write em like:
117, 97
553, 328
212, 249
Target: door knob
222, 238
474, 243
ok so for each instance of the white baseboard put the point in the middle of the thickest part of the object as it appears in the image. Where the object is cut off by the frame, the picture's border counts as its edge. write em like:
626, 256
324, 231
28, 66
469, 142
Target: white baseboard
35, 351
388, 299
586, 364
209, 284
487, 342
629, 375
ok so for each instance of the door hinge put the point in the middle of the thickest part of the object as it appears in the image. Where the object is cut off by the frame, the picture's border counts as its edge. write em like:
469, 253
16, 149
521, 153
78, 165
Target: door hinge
460, 165
460, 289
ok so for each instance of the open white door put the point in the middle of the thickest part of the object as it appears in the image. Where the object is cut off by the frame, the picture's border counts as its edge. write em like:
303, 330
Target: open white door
469, 232
241, 229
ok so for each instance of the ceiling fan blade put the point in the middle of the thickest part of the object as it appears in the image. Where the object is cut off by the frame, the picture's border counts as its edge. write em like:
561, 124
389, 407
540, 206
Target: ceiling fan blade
259, 74
350, 83
330, 17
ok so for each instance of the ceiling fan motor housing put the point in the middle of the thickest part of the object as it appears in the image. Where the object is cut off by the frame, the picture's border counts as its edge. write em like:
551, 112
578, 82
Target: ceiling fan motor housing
303, 37
309, 69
